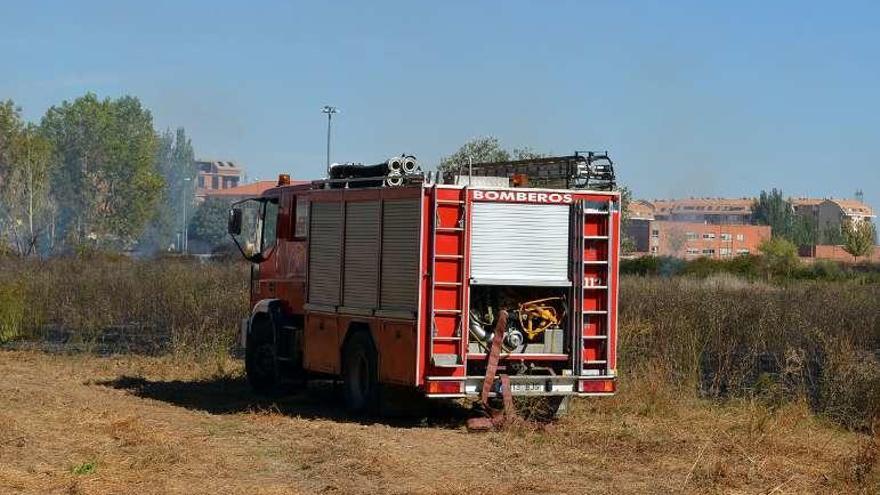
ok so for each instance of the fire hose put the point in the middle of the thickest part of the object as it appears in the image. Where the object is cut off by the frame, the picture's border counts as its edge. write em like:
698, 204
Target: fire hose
495, 418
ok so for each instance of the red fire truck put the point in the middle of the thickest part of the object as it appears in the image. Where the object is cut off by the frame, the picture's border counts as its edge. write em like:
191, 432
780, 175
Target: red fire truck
384, 276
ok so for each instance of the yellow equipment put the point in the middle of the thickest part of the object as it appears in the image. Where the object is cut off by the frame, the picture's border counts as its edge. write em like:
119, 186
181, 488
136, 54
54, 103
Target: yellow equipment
539, 315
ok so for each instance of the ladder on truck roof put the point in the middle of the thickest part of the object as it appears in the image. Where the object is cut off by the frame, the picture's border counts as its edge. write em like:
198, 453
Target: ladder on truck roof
582, 170
448, 271
593, 286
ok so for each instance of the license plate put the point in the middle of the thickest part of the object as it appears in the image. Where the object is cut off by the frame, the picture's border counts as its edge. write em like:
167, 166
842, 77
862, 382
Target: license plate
526, 387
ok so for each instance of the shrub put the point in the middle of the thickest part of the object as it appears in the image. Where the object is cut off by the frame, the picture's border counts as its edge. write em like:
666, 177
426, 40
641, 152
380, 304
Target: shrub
780, 257
197, 305
728, 337
12, 310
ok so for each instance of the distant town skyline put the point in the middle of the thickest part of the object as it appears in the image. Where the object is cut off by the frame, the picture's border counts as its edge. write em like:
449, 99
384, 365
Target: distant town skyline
690, 99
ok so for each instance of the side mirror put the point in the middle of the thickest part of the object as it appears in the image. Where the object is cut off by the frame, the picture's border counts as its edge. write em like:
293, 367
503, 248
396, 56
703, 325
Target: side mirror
233, 225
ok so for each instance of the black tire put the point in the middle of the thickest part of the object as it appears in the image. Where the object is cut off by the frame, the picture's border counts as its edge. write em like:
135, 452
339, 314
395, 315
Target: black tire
360, 377
260, 361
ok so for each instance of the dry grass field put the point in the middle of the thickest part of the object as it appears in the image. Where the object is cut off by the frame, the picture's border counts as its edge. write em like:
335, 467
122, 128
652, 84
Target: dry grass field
84, 424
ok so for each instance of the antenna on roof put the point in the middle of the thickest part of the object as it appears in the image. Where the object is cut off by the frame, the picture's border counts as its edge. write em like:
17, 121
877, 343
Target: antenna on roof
860, 195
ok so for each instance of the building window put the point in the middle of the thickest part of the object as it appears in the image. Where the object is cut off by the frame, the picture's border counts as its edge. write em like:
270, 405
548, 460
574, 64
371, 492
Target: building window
708, 235
692, 251
655, 234
725, 251
726, 237
740, 237
202, 181
215, 182
709, 252
742, 252
692, 236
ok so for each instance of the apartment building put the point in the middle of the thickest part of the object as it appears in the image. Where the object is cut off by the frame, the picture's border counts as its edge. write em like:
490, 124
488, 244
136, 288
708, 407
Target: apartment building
693, 240
215, 175
830, 215
736, 211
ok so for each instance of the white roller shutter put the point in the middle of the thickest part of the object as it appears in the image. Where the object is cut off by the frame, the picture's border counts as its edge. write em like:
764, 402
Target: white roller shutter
325, 253
520, 244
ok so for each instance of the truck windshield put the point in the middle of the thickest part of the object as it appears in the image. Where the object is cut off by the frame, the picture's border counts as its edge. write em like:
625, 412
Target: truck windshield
256, 233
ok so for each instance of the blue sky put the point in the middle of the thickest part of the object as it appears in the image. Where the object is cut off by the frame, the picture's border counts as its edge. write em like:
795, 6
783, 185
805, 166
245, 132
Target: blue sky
690, 98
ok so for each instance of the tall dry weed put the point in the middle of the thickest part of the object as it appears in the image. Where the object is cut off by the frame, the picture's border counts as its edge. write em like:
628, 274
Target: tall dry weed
195, 305
734, 338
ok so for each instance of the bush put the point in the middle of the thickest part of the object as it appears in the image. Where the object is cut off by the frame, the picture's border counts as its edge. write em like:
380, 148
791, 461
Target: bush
780, 257
728, 337
12, 311
197, 305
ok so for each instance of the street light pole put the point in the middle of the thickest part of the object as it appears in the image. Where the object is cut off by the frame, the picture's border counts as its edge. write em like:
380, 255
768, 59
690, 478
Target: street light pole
185, 242
329, 111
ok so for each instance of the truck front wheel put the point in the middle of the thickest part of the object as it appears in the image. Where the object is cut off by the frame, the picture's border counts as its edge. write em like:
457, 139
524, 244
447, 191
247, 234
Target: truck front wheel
359, 374
260, 362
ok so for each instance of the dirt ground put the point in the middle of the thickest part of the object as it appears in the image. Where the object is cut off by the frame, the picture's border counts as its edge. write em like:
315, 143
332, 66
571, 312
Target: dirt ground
80, 424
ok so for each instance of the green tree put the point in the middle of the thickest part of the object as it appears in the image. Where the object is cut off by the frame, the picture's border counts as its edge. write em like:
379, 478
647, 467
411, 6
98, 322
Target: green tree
771, 208
25, 188
208, 224
478, 150
832, 234
175, 161
25, 159
107, 184
779, 256
858, 237
10, 127
525, 153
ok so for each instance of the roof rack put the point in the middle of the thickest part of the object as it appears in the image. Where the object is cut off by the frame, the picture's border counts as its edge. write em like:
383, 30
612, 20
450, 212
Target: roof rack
582, 170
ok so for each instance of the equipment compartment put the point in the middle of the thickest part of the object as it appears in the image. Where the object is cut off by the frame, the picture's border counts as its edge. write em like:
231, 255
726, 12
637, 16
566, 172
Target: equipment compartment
536, 324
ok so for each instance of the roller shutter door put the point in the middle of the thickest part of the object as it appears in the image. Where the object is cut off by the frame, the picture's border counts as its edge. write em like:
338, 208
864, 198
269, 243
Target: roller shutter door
400, 255
361, 255
520, 244
325, 253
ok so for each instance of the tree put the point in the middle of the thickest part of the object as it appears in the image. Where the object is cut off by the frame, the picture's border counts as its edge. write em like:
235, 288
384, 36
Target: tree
779, 256
774, 210
208, 224
25, 159
858, 237
25, 188
525, 153
832, 234
477, 150
627, 244
485, 150
175, 161
10, 127
106, 184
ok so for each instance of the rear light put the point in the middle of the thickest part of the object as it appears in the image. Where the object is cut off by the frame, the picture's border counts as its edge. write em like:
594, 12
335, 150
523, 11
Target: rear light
596, 386
444, 387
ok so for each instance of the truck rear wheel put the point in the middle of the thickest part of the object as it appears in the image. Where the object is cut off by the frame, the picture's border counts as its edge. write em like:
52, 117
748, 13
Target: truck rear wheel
260, 362
360, 374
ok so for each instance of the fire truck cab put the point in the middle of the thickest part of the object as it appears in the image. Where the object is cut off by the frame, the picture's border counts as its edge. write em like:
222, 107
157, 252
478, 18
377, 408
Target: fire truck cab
400, 284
